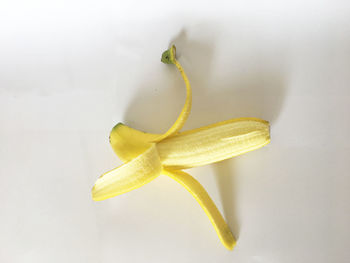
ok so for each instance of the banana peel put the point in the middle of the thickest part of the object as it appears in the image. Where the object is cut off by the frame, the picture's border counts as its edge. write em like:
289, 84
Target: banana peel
147, 156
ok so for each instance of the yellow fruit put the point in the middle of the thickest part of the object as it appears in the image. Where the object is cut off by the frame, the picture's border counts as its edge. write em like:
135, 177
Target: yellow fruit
147, 155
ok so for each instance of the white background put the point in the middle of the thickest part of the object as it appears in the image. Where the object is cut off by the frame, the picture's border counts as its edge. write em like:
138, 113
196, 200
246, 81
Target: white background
71, 70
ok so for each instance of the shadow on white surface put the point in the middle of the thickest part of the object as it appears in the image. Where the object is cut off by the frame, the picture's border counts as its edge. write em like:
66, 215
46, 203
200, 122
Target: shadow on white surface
259, 92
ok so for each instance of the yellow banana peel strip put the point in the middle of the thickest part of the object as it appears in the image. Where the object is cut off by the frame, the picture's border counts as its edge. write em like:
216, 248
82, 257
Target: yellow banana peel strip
202, 197
129, 176
168, 57
129, 143
147, 155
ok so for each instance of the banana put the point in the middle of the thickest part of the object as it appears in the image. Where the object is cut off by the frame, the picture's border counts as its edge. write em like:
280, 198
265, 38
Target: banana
147, 155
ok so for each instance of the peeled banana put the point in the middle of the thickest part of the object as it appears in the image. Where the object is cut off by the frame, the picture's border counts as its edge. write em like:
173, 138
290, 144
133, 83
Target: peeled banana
147, 156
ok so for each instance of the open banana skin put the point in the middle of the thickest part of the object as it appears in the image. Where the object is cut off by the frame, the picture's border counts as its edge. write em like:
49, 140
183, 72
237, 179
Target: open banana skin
146, 155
